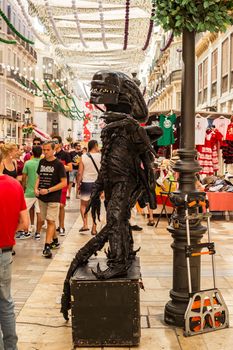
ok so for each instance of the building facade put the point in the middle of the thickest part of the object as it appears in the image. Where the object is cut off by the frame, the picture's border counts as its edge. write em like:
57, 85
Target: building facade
17, 68
214, 73
214, 76
164, 83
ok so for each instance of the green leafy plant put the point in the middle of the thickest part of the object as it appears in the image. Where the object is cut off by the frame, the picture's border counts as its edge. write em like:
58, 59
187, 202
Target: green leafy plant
194, 15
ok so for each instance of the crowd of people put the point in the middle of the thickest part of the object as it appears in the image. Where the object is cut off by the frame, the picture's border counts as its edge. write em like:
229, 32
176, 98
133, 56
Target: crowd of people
48, 173
35, 182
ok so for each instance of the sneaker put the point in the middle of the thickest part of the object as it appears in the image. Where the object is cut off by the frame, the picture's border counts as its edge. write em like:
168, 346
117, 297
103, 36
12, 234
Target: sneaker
47, 253
19, 234
25, 235
62, 231
55, 245
58, 229
37, 236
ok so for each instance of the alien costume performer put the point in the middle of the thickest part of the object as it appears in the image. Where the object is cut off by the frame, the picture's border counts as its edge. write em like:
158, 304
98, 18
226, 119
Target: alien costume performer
126, 170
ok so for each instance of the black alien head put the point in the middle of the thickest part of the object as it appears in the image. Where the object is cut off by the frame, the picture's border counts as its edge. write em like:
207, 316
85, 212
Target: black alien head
105, 88
118, 93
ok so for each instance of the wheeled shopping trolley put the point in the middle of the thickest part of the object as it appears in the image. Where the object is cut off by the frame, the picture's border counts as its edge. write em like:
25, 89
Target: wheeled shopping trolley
206, 310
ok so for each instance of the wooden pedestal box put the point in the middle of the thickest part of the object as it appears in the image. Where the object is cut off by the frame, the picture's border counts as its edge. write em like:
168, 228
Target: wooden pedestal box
105, 313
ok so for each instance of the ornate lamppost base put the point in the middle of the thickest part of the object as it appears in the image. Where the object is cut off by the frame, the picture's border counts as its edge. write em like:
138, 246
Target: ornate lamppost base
174, 313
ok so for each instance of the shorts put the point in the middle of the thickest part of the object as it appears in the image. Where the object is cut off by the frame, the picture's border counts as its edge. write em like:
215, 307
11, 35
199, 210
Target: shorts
73, 175
49, 211
63, 195
85, 190
30, 202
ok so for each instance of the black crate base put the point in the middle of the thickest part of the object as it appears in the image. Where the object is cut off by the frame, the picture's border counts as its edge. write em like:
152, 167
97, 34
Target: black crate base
105, 313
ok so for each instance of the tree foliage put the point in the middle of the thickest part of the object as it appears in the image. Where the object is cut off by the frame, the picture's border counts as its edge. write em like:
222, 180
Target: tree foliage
194, 15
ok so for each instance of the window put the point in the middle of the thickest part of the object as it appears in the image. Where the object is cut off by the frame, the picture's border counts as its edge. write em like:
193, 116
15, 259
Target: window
24, 104
178, 100
9, 57
19, 109
14, 19
214, 70
223, 107
13, 102
14, 60
8, 130
200, 83
225, 49
205, 79
9, 12
8, 99
13, 132
18, 64
1, 61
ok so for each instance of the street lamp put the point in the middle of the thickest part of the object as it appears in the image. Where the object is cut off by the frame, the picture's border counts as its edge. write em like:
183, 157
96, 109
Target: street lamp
27, 113
69, 138
26, 128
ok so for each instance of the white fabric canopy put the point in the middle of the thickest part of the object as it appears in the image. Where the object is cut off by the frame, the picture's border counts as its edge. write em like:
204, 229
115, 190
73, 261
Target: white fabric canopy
89, 35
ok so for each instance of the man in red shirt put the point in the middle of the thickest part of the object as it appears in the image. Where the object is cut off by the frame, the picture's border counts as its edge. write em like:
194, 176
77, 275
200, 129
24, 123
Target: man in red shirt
13, 217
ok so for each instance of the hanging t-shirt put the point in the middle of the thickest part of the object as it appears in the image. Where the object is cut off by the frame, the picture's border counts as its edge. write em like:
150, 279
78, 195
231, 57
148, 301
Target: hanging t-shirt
201, 125
51, 173
221, 124
229, 135
166, 123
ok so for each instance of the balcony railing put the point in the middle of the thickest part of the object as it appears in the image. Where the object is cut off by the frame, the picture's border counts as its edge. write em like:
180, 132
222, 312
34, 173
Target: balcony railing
26, 45
174, 76
15, 76
48, 76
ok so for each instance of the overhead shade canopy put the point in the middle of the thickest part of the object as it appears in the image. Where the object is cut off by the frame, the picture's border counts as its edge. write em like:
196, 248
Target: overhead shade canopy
91, 35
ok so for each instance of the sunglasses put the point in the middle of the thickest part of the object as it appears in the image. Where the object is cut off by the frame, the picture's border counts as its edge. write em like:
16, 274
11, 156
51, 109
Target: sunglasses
56, 142
36, 143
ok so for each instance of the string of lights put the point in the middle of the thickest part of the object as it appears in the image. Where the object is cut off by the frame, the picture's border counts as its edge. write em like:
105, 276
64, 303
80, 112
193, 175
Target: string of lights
50, 14
103, 34
78, 24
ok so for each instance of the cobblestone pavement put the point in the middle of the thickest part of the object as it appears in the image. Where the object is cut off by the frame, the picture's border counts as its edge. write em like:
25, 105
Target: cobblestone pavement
37, 286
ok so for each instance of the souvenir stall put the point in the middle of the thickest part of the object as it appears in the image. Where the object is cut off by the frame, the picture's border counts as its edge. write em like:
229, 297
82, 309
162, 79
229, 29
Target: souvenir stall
214, 144
170, 123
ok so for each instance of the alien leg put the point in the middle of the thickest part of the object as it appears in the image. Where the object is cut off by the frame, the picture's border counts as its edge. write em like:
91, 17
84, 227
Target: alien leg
119, 235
